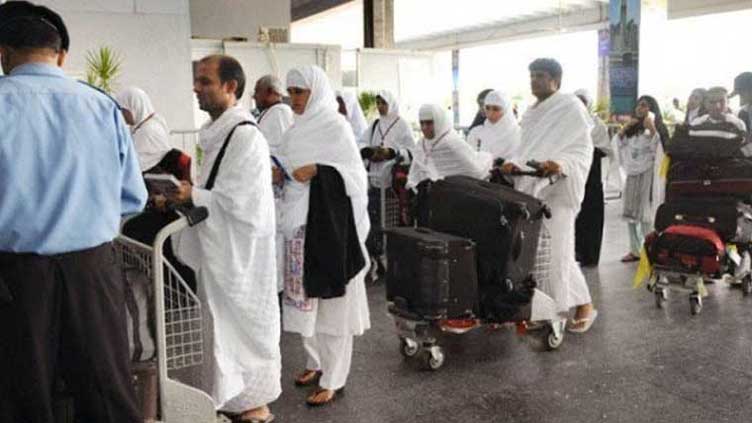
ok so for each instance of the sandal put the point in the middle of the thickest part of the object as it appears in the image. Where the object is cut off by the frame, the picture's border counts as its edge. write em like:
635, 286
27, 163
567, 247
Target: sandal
312, 402
583, 325
308, 378
630, 258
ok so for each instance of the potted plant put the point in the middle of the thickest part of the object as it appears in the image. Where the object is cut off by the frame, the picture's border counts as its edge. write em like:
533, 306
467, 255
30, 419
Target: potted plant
103, 66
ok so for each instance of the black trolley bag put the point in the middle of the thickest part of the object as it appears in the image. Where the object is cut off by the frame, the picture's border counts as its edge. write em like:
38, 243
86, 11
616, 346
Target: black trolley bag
431, 275
721, 177
727, 216
505, 225
707, 141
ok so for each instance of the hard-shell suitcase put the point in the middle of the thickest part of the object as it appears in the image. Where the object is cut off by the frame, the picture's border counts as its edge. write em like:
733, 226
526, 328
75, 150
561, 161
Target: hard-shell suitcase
505, 224
723, 177
730, 218
687, 248
431, 274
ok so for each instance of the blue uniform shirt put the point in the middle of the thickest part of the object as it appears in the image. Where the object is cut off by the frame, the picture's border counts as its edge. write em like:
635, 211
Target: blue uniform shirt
68, 168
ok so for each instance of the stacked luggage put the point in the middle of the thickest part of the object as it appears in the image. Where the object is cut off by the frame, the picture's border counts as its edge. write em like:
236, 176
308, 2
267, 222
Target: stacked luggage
704, 229
471, 265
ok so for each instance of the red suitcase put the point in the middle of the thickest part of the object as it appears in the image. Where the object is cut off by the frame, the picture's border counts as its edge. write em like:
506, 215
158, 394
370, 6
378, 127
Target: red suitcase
687, 248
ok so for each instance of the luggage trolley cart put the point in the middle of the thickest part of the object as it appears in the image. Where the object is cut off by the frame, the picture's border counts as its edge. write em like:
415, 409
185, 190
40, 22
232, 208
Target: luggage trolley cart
419, 334
735, 270
179, 328
389, 206
688, 269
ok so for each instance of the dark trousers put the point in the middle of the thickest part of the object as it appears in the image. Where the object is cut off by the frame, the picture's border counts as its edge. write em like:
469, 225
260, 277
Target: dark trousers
66, 319
589, 223
375, 240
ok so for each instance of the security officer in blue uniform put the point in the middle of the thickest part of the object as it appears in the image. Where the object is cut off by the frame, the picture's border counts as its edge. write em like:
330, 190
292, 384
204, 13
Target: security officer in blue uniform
68, 173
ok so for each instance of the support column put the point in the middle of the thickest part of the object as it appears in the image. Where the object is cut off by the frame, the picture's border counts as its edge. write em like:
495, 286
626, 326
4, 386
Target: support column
456, 86
379, 23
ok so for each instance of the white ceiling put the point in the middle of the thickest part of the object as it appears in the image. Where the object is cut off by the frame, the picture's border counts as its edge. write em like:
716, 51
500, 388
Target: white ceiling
423, 20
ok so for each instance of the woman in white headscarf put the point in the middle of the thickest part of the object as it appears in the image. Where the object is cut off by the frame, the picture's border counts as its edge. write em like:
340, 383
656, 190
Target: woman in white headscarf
320, 143
441, 153
388, 142
590, 220
349, 106
151, 135
500, 133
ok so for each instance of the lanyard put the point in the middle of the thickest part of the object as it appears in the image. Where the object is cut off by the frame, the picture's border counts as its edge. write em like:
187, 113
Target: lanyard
137, 127
384, 134
429, 153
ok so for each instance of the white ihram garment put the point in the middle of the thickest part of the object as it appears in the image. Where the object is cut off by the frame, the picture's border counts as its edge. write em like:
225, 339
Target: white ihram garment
234, 255
500, 139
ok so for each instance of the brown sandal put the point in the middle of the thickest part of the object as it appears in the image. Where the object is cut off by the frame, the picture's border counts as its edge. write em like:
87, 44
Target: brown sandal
308, 378
312, 401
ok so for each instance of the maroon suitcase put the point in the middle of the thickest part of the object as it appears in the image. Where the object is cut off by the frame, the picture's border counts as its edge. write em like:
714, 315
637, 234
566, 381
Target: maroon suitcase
727, 177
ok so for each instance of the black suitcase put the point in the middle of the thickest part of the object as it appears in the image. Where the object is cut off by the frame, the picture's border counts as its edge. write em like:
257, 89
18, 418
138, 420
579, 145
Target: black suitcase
731, 219
724, 177
505, 225
707, 141
431, 274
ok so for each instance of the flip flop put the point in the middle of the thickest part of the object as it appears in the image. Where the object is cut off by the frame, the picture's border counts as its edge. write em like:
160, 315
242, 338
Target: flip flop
588, 323
629, 258
312, 378
335, 394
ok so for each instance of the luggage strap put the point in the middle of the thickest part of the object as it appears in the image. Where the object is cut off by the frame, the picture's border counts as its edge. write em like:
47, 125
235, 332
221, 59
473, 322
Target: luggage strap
215, 167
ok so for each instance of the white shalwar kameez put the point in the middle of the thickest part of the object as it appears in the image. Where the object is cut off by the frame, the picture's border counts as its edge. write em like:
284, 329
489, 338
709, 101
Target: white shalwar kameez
150, 133
233, 254
322, 136
390, 131
500, 139
446, 154
273, 123
558, 129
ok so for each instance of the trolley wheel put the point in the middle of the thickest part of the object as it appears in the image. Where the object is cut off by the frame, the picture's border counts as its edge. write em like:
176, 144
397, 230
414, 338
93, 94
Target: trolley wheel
552, 341
661, 296
695, 304
747, 285
409, 348
434, 358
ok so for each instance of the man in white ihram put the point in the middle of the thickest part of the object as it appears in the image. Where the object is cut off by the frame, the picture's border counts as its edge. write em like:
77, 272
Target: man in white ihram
556, 133
233, 250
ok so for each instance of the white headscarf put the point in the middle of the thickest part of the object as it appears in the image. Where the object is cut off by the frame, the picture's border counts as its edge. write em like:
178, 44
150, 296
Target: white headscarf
440, 119
446, 153
319, 136
151, 135
500, 139
600, 131
354, 113
391, 102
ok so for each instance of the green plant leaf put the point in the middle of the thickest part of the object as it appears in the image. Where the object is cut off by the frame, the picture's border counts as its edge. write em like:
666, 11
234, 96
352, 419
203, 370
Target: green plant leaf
103, 66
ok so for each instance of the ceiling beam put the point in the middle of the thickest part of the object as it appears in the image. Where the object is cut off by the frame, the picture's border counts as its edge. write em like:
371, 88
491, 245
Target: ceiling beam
302, 9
